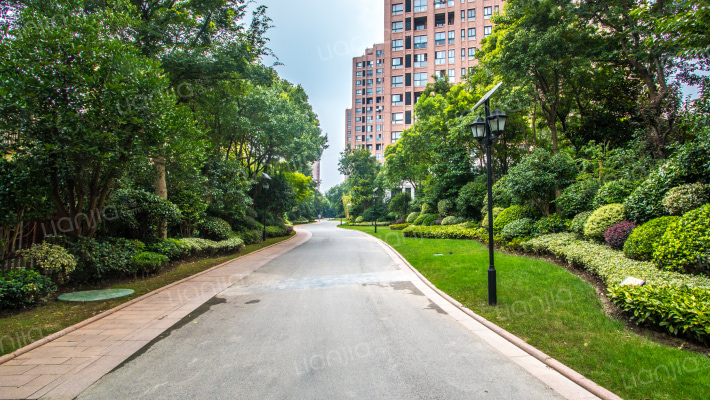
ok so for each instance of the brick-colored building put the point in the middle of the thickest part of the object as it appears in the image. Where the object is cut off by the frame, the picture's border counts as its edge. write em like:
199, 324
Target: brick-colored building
422, 38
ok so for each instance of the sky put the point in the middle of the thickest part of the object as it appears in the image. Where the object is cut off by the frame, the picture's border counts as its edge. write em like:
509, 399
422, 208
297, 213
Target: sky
316, 41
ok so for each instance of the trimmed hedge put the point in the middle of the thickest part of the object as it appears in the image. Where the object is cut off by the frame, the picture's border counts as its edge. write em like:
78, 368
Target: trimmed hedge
642, 241
603, 219
399, 227
444, 232
148, 262
669, 300
23, 288
685, 246
201, 247
451, 220
430, 219
617, 234
511, 214
174, 249
214, 229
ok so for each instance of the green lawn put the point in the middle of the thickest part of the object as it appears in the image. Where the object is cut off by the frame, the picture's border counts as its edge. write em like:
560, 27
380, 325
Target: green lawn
22, 328
558, 313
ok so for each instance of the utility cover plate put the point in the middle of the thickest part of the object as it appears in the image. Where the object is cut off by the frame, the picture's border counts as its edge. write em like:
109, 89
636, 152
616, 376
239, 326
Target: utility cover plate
96, 295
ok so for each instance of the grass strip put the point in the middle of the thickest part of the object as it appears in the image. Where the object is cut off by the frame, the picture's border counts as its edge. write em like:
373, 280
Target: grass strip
560, 314
21, 328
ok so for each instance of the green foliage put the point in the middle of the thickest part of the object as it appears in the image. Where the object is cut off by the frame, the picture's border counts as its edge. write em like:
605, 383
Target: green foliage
520, 228
451, 220
690, 164
359, 220
147, 262
23, 288
577, 225
214, 229
684, 198
471, 198
139, 213
430, 219
496, 213
192, 208
602, 219
613, 192
276, 231
420, 219
444, 232
511, 214
100, 260
685, 246
578, 197
205, 247
400, 203
412, 217
427, 208
250, 236
535, 179
53, 260
644, 239
446, 207
552, 224
174, 249
399, 227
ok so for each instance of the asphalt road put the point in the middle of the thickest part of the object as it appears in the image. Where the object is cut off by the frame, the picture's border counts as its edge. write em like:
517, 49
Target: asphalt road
332, 319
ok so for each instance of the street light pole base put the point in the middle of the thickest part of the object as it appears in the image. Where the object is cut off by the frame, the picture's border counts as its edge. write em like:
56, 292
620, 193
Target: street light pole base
492, 295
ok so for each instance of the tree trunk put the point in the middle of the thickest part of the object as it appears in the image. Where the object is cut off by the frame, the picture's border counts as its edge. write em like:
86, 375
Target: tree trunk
161, 190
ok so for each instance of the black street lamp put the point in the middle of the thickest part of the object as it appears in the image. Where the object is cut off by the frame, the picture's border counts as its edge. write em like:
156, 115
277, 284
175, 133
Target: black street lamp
374, 206
487, 131
265, 185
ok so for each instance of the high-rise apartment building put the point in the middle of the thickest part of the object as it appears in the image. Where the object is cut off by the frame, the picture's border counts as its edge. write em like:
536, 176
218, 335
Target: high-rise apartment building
423, 38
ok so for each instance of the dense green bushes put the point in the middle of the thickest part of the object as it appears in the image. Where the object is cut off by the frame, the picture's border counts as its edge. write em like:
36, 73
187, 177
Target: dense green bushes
552, 224
578, 197
214, 229
520, 228
643, 240
511, 214
602, 219
446, 207
578, 222
685, 246
684, 198
613, 192
496, 213
23, 288
412, 217
399, 227
147, 262
53, 260
138, 214
100, 260
443, 232
174, 249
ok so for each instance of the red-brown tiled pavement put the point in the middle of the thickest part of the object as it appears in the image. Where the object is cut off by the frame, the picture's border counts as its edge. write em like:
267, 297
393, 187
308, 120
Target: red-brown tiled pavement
66, 366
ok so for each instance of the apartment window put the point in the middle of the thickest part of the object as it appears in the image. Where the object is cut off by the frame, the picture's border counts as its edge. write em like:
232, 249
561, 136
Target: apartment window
378, 137
397, 100
369, 82
380, 53
419, 5
463, 15
379, 118
397, 118
350, 127
420, 24
379, 128
358, 101
380, 90
369, 110
380, 71
397, 9
452, 75
471, 53
369, 91
420, 79
472, 14
369, 128
358, 65
487, 30
397, 27
369, 64
358, 92
440, 57
358, 129
368, 119
440, 20
397, 45
397, 81
463, 54
463, 34
397, 63
380, 81
358, 83
369, 137
471, 33
441, 73
369, 73
358, 138
349, 120
349, 134
378, 156
487, 11
420, 60
452, 37
358, 74
439, 3
439, 38
358, 111
396, 136
358, 119
495, 9
420, 42
451, 3
452, 56
452, 18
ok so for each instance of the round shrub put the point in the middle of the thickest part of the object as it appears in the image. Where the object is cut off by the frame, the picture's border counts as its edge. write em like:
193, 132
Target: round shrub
420, 219
578, 197
430, 219
411, 217
602, 219
22, 288
519, 228
426, 208
53, 260
684, 198
511, 214
552, 224
214, 229
171, 248
577, 225
359, 219
399, 221
447, 207
613, 192
251, 236
686, 244
496, 213
640, 244
449, 221
617, 234
98, 260
147, 262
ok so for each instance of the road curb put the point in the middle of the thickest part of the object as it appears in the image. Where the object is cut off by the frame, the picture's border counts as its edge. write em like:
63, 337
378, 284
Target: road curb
65, 331
556, 365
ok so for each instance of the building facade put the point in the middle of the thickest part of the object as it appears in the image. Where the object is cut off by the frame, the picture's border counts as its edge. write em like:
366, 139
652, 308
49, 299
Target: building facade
423, 39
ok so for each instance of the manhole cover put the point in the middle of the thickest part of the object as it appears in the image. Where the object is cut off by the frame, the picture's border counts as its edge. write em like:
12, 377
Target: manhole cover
96, 295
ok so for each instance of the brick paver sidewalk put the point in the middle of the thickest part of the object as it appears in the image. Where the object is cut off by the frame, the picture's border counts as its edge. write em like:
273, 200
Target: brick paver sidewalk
66, 366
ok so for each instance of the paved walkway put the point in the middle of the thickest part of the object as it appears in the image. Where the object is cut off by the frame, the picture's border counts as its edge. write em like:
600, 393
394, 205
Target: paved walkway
63, 368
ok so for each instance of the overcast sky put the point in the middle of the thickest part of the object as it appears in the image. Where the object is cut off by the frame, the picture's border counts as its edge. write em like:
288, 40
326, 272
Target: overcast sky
316, 41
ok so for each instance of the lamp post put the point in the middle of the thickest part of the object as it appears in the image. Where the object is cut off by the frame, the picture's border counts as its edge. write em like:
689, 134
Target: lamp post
374, 206
487, 131
265, 185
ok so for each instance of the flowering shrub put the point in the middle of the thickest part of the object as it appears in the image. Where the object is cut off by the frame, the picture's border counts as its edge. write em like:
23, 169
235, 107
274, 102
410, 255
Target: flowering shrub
617, 234
518, 229
684, 198
641, 242
602, 219
53, 260
685, 246
400, 221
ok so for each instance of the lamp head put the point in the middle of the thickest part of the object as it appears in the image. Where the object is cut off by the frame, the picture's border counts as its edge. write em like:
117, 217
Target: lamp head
497, 120
478, 128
